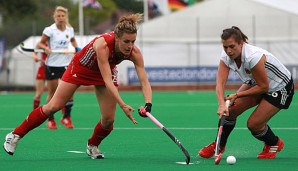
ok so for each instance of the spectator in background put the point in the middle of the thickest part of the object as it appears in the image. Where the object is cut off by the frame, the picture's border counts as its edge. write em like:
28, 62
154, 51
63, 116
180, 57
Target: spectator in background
40, 78
153, 10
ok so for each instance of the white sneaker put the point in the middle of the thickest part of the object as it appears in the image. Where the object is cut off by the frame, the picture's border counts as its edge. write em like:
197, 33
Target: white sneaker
94, 152
10, 143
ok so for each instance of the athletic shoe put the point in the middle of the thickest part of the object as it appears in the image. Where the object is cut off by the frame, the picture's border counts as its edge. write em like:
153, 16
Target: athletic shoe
209, 150
10, 143
269, 152
67, 122
51, 124
94, 152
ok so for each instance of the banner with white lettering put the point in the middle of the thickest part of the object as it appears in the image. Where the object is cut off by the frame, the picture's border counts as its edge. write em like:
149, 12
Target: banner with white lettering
180, 75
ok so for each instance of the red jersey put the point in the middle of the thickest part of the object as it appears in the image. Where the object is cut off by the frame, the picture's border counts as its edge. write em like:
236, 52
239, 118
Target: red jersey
83, 69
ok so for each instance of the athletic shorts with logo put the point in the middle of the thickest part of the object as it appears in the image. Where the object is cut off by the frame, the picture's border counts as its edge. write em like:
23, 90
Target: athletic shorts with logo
282, 98
53, 73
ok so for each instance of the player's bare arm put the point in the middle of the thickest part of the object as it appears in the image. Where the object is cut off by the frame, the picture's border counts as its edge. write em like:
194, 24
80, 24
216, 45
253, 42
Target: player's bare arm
35, 57
74, 42
222, 76
138, 61
42, 43
102, 52
260, 76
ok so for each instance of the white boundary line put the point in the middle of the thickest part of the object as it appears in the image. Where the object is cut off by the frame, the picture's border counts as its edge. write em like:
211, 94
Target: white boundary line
78, 152
122, 128
96, 105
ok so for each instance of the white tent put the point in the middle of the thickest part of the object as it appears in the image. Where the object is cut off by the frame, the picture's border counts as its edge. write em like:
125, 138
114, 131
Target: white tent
285, 5
204, 21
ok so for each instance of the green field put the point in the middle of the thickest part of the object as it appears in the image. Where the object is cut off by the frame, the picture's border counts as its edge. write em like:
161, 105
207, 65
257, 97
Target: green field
190, 116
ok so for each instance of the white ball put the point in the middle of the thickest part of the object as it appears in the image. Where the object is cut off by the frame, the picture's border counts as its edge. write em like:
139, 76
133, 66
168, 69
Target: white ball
231, 160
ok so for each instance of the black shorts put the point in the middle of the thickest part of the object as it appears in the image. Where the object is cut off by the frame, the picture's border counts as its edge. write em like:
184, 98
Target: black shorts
53, 73
282, 98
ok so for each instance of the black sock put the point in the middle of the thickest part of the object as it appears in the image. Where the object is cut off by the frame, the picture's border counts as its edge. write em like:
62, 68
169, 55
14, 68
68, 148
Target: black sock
227, 129
51, 117
68, 108
267, 136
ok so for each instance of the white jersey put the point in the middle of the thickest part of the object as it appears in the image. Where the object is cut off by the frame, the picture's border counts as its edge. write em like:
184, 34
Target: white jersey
58, 40
278, 75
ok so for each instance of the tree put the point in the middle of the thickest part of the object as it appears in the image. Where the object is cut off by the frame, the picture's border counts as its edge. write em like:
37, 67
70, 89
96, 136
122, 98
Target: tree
92, 17
23, 18
17, 8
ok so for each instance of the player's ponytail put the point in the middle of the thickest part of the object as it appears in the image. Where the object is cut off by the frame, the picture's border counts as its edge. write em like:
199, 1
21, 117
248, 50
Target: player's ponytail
236, 33
128, 24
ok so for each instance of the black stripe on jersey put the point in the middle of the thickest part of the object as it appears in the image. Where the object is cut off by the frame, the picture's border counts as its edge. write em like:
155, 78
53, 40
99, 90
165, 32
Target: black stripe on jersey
277, 72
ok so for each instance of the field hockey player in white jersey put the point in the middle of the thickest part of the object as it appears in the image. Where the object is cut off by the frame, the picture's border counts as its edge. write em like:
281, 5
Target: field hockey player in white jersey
58, 36
267, 84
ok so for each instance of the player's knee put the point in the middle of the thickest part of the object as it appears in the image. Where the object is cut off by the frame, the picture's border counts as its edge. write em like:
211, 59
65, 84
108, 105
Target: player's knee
107, 123
253, 126
235, 110
233, 114
49, 108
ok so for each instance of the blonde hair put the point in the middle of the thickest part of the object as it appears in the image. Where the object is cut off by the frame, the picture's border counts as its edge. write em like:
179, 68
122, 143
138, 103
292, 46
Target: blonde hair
65, 10
128, 24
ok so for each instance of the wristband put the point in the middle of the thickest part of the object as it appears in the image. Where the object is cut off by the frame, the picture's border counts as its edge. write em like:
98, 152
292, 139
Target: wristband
78, 49
148, 107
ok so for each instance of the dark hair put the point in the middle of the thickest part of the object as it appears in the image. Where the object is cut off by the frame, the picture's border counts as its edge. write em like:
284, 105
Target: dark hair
235, 32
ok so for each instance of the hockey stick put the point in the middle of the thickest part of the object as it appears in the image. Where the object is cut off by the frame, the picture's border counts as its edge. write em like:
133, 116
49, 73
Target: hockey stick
22, 46
171, 136
218, 155
23, 53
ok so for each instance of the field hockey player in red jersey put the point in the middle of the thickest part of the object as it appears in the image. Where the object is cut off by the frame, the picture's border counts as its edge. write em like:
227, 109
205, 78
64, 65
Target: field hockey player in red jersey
94, 65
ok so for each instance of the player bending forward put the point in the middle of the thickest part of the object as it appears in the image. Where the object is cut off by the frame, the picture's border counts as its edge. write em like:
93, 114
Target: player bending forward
267, 84
95, 65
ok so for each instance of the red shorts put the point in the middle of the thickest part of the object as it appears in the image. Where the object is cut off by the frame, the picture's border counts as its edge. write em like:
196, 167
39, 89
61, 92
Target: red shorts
81, 75
40, 74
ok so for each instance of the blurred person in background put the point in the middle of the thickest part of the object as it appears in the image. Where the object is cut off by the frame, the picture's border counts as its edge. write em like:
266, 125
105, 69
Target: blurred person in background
267, 85
96, 64
57, 37
39, 78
